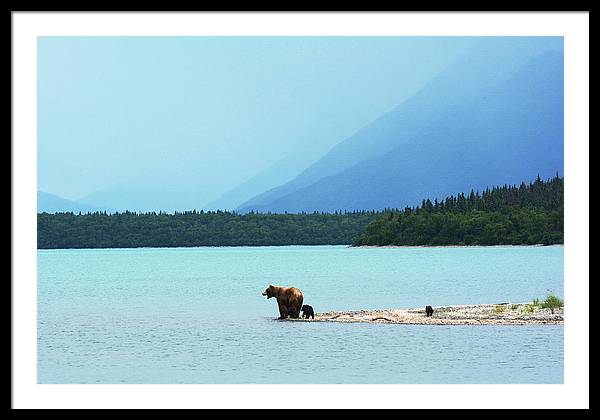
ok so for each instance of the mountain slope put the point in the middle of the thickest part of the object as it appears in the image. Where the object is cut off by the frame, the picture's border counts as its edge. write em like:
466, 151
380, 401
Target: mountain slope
507, 133
281, 171
50, 203
481, 69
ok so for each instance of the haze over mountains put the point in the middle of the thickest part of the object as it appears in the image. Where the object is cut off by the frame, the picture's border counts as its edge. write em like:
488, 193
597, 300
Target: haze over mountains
495, 116
173, 123
51, 203
282, 171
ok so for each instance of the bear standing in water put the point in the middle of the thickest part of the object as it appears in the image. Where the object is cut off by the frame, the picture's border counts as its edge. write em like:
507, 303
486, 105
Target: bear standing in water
308, 312
289, 300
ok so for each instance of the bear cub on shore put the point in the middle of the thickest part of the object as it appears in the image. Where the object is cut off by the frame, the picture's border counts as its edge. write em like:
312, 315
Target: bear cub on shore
307, 312
428, 310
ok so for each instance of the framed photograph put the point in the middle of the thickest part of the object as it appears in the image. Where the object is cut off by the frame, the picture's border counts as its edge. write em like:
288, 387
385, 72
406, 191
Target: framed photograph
345, 207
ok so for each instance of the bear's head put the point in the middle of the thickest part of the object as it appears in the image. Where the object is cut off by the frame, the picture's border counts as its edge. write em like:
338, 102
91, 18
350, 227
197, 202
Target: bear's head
304, 308
269, 292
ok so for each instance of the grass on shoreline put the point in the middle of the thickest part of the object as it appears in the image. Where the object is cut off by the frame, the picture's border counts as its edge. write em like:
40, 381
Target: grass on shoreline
500, 309
551, 302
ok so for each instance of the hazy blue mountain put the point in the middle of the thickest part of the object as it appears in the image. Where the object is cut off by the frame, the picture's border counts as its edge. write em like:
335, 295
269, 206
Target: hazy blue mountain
282, 171
141, 196
51, 203
499, 120
480, 69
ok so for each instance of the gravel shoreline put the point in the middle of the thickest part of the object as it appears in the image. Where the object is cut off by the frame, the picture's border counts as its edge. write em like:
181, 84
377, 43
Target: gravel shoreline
482, 314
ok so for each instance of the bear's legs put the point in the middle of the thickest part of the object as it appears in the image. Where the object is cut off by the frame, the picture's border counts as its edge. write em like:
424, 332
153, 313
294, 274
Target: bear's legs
283, 311
293, 311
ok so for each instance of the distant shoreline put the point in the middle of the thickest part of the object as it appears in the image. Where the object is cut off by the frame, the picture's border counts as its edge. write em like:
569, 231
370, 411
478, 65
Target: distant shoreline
456, 246
481, 314
303, 245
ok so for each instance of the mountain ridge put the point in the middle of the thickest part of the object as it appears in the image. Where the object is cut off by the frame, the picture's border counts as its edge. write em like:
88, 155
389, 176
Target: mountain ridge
52, 203
517, 99
406, 119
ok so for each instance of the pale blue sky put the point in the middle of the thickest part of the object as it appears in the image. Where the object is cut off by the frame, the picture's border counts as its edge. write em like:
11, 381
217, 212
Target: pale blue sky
187, 118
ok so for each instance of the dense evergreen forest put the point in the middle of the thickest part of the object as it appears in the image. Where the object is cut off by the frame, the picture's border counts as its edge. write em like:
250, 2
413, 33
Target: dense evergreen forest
219, 228
526, 214
510, 215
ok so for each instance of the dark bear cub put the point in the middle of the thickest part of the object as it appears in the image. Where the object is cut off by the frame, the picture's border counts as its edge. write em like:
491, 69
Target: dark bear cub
308, 312
429, 310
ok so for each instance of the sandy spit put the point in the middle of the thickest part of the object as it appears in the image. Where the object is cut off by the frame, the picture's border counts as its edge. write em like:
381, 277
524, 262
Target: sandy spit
482, 314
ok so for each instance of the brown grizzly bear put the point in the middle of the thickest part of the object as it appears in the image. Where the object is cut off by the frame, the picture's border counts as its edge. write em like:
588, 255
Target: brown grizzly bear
289, 300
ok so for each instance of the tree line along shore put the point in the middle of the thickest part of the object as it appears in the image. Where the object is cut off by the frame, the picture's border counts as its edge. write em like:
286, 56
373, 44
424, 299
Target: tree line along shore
528, 214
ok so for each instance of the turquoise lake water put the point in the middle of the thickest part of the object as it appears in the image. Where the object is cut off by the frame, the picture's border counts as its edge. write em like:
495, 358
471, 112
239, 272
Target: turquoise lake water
196, 315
